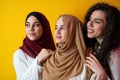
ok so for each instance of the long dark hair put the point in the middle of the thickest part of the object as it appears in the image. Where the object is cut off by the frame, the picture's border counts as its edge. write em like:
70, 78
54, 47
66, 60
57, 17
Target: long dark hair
111, 35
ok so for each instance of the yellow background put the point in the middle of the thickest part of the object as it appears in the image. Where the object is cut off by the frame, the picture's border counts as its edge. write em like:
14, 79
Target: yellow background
12, 29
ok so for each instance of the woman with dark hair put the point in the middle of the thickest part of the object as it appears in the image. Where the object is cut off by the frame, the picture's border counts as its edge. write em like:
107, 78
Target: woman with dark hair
38, 36
102, 33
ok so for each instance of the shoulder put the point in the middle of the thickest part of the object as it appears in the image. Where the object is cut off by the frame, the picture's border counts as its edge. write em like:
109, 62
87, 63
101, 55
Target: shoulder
115, 56
118, 50
115, 53
19, 54
115, 63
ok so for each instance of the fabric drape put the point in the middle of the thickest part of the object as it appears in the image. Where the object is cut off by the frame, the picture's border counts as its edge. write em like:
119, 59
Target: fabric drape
67, 60
33, 48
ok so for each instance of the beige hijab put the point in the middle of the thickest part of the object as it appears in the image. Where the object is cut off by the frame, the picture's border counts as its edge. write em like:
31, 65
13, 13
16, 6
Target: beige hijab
67, 61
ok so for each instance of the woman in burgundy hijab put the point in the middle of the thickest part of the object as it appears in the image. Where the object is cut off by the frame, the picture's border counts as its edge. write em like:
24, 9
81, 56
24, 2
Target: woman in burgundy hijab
38, 36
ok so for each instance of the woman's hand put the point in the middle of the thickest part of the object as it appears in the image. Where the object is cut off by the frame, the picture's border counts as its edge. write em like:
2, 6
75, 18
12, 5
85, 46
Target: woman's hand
43, 56
96, 67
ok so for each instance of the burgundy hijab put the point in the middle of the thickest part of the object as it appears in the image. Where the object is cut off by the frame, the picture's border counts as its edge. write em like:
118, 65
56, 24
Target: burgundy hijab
32, 48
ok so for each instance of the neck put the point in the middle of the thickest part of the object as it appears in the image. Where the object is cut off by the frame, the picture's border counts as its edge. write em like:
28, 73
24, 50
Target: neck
100, 40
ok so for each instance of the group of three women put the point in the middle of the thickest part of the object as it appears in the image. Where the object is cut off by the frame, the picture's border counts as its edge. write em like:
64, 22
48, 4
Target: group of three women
83, 52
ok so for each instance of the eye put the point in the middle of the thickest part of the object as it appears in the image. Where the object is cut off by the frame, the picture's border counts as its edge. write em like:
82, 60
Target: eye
27, 25
36, 25
61, 28
97, 21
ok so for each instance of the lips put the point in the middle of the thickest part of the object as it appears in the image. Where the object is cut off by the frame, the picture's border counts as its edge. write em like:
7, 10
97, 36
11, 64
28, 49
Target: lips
90, 31
32, 34
58, 37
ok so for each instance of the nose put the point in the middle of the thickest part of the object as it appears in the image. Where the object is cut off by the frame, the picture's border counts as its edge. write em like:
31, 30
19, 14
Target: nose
89, 24
57, 31
31, 28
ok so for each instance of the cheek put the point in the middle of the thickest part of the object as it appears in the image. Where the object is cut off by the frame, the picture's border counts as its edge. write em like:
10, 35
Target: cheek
101, 30
88, 24
65, 36
39, 32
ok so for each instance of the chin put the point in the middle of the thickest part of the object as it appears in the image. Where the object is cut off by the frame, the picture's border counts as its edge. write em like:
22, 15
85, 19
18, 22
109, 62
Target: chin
32, 39
90, 36
57, 41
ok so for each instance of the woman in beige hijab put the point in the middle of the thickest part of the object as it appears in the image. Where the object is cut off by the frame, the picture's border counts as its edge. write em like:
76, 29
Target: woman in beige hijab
67, 61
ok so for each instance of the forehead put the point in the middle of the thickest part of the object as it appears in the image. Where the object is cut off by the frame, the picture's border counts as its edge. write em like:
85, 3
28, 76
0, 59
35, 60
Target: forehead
32, 18
98, 14
59, 21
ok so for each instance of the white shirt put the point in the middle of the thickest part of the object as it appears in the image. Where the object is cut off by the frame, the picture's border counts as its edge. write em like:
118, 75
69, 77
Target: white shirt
114, 66
27, 69
25, 66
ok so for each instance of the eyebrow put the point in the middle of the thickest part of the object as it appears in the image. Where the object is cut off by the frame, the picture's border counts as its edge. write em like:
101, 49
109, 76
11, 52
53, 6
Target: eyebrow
99, 19
34, 22
60, 25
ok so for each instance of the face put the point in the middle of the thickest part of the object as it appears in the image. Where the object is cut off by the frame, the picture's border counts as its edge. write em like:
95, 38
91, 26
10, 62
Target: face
33, 28
96, 25
60, 31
